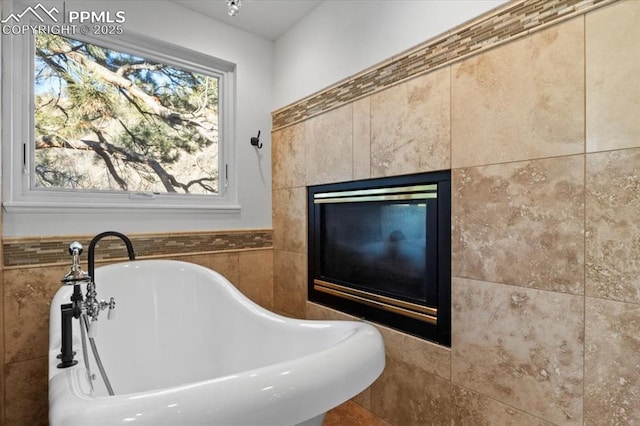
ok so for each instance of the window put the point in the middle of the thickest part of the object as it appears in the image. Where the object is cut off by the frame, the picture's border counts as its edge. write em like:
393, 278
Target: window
121, 123
108, 120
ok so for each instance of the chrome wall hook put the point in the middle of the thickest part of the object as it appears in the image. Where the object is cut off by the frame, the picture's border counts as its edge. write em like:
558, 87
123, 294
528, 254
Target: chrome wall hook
255, 141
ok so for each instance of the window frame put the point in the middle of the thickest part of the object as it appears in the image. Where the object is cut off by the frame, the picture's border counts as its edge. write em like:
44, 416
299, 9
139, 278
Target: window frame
18, 133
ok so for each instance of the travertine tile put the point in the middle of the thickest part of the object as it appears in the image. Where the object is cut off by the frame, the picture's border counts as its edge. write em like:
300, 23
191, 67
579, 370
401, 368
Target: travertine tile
613, 66
352, 414
363, 398
431, 358
27, 297
329, 147
613, 225
520, 346
521, 223
521, 101
223, 263
410, 126
256, 276
409, 396
290, 219
473, 409
287, 156
316, 311
362, 138
27, 401
612, 357
289, 283
2, 333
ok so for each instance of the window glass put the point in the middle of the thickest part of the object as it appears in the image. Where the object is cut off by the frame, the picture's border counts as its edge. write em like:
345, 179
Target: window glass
108, 120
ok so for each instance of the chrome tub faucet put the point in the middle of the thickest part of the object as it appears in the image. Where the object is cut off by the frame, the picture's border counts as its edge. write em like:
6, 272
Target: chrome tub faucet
85, 308
93, 306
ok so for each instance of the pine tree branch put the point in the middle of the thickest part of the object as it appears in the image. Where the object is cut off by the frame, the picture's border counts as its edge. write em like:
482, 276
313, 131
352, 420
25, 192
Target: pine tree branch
170, 116
110, 167
105, 150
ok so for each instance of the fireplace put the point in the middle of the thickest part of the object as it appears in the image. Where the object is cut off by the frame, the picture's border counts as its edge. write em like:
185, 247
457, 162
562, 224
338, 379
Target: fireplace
380, 249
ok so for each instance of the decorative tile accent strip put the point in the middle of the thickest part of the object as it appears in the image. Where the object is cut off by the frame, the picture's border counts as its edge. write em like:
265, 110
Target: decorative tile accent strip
515, 19
35, 251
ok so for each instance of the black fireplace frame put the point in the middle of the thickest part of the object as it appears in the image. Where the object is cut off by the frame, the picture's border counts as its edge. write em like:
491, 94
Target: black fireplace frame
441, 331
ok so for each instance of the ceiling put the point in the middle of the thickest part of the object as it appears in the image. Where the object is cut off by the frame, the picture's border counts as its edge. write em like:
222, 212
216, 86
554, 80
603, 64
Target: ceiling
265, 18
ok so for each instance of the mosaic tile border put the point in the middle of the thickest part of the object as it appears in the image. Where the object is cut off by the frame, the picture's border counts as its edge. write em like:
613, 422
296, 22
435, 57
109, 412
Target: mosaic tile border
50, 250
501, 25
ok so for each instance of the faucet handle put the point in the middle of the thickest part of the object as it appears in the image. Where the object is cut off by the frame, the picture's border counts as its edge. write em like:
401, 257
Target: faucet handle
75, 248
111, 313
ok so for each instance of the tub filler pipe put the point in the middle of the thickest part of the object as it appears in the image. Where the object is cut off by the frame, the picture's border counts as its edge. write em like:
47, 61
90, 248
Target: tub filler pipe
66, 349
96, 355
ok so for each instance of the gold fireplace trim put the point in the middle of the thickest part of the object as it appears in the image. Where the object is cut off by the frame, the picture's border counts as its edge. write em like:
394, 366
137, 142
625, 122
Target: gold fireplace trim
400, 307
413, 192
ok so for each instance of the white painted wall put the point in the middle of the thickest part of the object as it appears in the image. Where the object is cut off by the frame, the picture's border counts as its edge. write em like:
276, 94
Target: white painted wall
254, 59
342, 38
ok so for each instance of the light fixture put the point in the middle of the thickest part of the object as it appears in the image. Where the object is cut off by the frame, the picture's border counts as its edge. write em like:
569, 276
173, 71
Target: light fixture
234, 6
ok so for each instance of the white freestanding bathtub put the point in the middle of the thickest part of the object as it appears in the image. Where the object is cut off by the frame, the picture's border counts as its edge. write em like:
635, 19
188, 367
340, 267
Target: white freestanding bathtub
187, 348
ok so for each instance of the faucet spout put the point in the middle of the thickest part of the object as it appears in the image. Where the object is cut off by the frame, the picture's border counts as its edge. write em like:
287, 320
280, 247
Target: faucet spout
94, 241
92, 305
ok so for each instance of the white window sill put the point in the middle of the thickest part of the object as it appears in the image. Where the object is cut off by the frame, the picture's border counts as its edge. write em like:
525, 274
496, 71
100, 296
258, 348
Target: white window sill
56, 207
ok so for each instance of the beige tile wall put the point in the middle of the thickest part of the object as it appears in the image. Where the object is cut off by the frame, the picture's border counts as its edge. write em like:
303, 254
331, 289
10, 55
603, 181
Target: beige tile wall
410, 126
611, 78
543, 140
2, 363
530, 91
535, 205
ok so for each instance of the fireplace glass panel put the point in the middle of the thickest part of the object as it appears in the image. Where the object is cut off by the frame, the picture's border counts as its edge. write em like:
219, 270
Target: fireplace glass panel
377, 246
